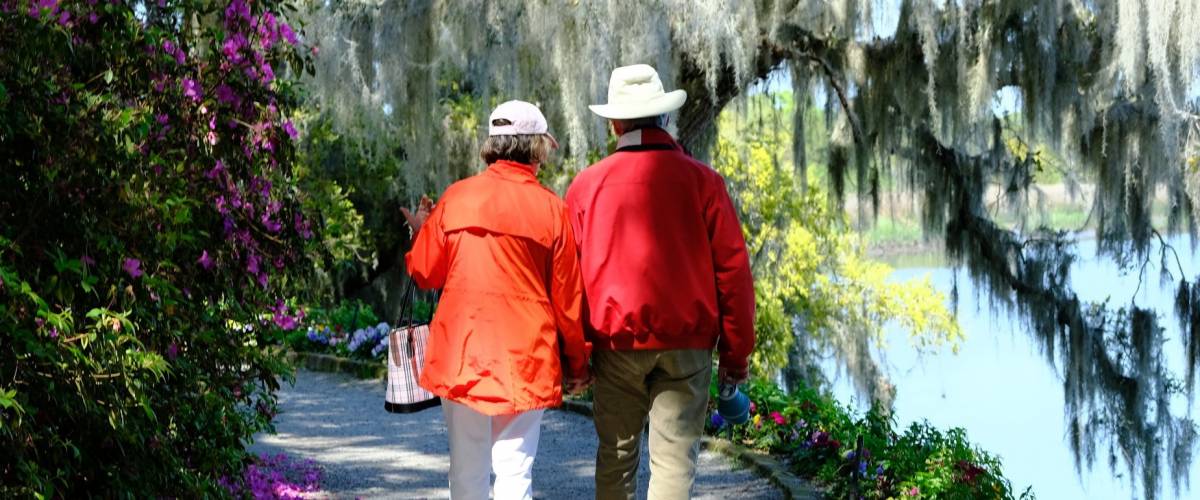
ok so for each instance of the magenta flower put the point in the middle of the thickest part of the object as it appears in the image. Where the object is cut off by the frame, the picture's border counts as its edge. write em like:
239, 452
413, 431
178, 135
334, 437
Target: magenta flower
172, 50
778, 418
192, 89
64, 18
87, 261
914, 491
753, 407
268, 75
216, 171
290, 129
288, 34
53, 332
133, 267
252, 264
205, 261
92, 18
172, 351
226, 95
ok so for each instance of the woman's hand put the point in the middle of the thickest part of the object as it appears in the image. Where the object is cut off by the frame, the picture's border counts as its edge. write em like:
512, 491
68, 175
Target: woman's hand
416, 220
576, 386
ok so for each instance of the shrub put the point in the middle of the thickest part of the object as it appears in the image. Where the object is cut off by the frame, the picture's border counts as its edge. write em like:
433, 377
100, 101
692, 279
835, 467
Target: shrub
149, 220
864, 457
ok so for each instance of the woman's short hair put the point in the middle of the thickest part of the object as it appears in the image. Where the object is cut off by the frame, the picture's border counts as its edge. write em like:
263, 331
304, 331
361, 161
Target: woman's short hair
527, 149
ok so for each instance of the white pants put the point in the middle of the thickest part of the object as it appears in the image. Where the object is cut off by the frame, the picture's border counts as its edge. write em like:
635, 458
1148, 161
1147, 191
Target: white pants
480, 445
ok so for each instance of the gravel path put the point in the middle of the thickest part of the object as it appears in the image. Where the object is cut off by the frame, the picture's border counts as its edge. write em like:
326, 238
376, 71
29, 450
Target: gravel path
340, 423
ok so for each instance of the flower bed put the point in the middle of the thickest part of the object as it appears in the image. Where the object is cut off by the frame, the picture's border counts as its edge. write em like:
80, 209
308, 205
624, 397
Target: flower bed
276, 477
863, 456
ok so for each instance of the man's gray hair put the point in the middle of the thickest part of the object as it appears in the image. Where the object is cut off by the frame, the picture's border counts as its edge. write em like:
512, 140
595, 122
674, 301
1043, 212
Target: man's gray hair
659, 121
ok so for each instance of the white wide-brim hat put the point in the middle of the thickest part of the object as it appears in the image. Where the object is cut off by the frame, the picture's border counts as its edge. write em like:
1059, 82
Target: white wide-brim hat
637, 92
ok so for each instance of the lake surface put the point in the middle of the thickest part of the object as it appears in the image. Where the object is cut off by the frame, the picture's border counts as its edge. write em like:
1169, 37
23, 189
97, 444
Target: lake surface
1002, 389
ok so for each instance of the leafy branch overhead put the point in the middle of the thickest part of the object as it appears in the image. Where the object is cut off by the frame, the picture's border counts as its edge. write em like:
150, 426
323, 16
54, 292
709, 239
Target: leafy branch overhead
1107, 87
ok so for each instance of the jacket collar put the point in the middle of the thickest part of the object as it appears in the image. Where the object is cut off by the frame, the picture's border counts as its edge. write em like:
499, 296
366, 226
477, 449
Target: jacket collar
512, 171
647, 138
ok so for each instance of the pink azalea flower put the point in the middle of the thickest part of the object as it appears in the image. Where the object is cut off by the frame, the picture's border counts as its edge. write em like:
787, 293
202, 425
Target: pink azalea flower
778, 418
205, 261
192, 89
290, 129
288, 34
133, 267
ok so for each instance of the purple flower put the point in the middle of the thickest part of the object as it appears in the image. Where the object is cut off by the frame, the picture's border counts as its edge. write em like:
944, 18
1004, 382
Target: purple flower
252, 264
53, 332
36, 7
216, 171
717, 421
288, 34
64, 18
232, 48
226, 95
192, 89
290, 129
92, 18
133, 267
172, 351
162, 118
268, 75
205, 261
272, 225
39, 322
87, 261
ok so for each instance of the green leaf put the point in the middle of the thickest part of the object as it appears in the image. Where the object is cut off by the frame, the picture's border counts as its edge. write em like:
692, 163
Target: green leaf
108, 76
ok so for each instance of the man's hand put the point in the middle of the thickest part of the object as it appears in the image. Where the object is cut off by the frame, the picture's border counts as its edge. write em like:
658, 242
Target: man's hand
576, 386
416, 220
725, 376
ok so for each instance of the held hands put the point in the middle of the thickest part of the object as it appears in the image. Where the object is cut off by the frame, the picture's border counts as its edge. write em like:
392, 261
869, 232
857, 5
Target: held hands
576, 386
732, 377
416, 220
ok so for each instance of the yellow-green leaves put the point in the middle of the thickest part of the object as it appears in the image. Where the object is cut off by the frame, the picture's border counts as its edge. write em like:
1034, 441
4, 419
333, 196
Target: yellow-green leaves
810, 269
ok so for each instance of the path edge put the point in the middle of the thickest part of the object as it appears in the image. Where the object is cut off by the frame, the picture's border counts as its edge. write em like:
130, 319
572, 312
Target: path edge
764, 465
334, 364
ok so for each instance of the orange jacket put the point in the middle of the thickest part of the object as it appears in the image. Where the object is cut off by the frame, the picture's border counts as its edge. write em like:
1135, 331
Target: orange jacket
500, 247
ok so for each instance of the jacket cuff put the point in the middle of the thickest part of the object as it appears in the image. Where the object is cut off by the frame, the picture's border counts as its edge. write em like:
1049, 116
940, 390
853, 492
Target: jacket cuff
739, 367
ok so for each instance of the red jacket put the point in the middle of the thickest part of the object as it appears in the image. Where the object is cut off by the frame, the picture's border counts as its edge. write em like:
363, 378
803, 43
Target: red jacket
663, 258
499, 246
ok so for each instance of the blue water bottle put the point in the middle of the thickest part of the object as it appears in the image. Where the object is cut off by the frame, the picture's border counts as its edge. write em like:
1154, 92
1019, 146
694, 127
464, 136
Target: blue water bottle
732, 404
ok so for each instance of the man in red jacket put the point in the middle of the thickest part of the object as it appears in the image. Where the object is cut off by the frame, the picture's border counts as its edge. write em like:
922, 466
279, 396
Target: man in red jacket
666, 279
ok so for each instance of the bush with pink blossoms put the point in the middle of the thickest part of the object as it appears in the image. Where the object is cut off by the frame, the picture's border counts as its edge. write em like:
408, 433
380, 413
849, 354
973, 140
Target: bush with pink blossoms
149, 210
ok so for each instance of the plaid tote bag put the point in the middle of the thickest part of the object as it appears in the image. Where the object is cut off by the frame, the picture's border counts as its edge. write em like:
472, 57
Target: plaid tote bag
406, 355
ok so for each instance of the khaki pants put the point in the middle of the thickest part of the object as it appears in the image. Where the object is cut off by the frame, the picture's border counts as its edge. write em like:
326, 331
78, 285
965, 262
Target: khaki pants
672, 388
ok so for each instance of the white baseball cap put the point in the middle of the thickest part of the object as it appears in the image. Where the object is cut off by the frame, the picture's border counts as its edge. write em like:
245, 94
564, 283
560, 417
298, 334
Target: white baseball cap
637, 92
524, 119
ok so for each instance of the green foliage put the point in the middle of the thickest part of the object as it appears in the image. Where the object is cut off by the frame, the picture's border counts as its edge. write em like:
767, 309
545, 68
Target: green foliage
806, 262
151, 226
818, 437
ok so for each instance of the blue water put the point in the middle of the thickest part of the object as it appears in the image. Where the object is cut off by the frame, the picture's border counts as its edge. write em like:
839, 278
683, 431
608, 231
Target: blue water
1003, 391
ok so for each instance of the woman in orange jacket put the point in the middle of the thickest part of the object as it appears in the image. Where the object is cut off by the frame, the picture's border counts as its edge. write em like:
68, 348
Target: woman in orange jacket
500, 247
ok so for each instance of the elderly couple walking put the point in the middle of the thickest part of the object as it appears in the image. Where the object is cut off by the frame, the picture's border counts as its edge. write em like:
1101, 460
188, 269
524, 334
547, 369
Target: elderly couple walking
630, 283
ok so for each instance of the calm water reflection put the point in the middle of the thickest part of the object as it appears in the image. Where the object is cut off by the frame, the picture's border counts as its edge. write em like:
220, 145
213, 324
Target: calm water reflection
1003, 391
